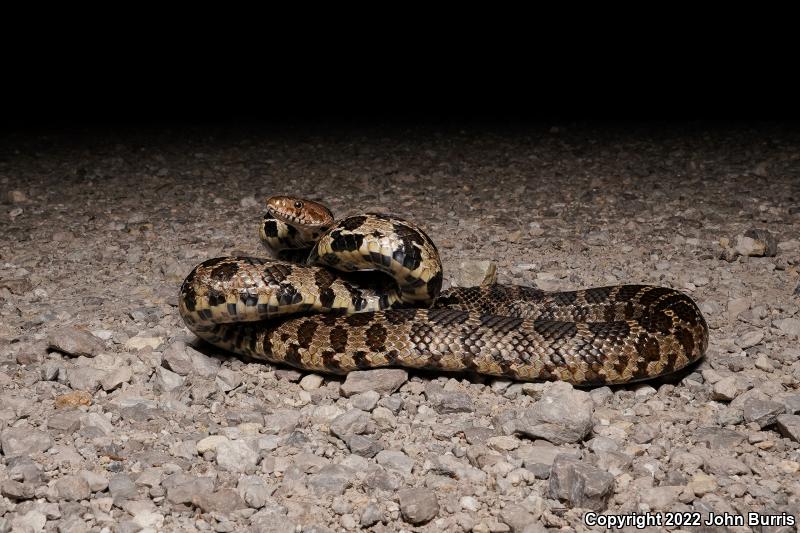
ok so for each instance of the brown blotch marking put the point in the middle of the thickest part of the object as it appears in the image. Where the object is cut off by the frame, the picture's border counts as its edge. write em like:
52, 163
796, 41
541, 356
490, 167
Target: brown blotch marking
435, 285
358, 319
215, 297
565, 298
686, 339
360, 359
305, 333
376, 337
276, 272
647, 347
188, 293
399, 316
224, 271
628, 292
293, 355
651, 296
338, 339
329, 360
656, 322
270, 226
598, 295
614, 332
352, 223
555, 329
500, 324
686, 311
445, 317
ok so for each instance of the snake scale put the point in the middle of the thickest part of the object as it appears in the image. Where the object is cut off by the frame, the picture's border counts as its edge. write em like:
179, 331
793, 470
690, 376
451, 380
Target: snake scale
325, 315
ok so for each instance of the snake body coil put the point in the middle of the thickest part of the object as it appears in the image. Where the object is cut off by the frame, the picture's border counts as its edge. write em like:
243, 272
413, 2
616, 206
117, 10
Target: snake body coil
326, 316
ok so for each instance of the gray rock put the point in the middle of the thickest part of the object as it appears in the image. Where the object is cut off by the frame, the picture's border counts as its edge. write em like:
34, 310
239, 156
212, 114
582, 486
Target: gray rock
474, 273
395, 460
728, 388
166, 380
281, 422
444, 401
791, 403
382, 380
660, 498
97, 482
331, 480
65, 421
418, 505
75, 342
221, 501
311, 382
789, 426
730, 416
254, 491
363, 446
562, 415
227, 379
15, 490
352, 422
177, 359
371, 515
790, 326
122, 487
762, 412
580, 484
725, 466
516, 517
644, 433
72, 488
180, 488
85, 378
203, 365
116, 378
32, 521
24, 441
719, 438
236, 456
366, 401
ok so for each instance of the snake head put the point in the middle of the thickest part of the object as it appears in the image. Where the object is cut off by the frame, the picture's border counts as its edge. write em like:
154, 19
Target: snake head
299, 212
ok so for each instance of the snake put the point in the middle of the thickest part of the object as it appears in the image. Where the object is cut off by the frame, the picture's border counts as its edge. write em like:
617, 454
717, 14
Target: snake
365, 292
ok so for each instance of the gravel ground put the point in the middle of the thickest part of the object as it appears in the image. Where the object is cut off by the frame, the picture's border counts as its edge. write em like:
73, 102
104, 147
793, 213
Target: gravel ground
113, 419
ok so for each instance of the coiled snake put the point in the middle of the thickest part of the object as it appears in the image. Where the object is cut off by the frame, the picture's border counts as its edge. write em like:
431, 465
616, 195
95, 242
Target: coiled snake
324, 316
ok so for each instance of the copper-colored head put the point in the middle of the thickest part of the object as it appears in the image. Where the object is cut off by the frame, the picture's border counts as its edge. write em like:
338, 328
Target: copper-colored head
298, 211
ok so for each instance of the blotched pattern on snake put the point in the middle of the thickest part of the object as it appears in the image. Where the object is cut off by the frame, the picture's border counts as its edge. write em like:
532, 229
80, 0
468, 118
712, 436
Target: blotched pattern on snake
324, 314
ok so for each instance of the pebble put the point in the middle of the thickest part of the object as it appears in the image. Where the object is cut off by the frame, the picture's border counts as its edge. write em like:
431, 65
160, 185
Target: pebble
383, 381
222, 501
354, 421
444, 401
177, 359
73, 399
371, 515
366, 401
311, 382
580, 484
166, 380
363, 446
65, 422
331, 480
24, 441
116, 378
474, 274
75, 342
789, 426
790, 326
72, 488
761, 412
750, 339
395, 460
563, 415
418, 505
122, 487
236, 456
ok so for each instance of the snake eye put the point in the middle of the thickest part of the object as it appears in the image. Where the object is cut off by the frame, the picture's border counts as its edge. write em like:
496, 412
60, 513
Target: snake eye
298, 205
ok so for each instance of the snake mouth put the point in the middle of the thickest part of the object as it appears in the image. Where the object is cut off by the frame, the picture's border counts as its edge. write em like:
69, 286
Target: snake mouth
289, 218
